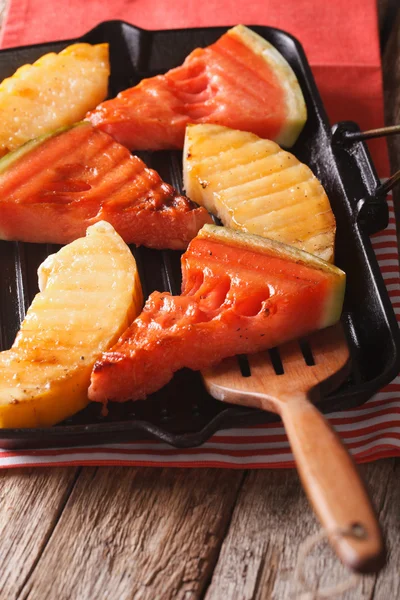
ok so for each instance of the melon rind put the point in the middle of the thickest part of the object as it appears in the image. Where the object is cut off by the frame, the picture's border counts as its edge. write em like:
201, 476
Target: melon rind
12, 157
333, 302
296, 110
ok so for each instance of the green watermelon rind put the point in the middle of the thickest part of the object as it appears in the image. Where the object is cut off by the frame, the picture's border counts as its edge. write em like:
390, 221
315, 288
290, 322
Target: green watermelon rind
333, 303
296, 116
16, 155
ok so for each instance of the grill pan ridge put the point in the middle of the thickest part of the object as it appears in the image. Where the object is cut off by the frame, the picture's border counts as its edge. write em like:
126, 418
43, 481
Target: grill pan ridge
183, 414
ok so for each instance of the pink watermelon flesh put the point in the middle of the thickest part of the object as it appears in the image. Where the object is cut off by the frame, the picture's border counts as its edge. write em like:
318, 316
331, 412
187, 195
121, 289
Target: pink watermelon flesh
234, 300
226, 84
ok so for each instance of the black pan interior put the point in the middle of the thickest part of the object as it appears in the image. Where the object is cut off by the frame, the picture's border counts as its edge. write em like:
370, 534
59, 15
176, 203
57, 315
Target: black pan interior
183, 414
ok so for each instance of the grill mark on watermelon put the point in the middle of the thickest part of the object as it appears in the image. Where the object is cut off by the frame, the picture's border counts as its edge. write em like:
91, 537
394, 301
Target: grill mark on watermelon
193, 85
228, 83
103, 161
28, 175
158, 197
111, 191
83, 175
188, 70
233, 301
251, 79
16, 177
95, 190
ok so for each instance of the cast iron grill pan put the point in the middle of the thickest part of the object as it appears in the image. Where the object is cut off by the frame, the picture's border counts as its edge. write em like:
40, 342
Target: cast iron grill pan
182, 413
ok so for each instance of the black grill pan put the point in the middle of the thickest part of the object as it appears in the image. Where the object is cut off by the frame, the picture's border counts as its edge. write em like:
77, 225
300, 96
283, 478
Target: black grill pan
183, 414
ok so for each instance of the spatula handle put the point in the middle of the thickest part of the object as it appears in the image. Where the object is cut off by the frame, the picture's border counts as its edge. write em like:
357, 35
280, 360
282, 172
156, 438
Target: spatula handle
334, 486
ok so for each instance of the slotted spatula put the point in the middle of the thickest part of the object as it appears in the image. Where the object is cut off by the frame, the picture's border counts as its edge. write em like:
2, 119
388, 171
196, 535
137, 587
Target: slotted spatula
283, 383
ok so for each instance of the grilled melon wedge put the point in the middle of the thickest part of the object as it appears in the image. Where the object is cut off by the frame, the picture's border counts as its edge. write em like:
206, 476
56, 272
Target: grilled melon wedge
56, 91
90, 293
253, 185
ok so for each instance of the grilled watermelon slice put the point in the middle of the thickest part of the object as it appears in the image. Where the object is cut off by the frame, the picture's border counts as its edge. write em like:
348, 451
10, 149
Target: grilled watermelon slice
53, 188
240, 294
241, 81
253, 185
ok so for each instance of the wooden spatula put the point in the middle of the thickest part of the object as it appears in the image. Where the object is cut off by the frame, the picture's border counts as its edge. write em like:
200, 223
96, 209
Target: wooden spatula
282, 383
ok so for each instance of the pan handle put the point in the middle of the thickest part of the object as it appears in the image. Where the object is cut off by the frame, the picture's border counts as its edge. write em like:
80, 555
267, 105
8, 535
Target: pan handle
370, 208
372, 204
389, 184
343, 136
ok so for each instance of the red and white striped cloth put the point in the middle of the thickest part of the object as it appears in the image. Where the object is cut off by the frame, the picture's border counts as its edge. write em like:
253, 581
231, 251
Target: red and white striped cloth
341, 41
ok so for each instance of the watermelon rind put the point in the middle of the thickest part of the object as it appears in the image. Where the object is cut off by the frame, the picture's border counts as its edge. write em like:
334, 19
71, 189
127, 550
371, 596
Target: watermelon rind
333, 302
296, 111
12, 157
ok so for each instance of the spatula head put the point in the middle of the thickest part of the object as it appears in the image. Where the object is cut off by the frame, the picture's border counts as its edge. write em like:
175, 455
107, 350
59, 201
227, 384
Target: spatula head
266, 379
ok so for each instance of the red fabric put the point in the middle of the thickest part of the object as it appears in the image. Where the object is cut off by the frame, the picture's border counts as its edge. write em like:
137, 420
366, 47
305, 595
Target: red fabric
340, 39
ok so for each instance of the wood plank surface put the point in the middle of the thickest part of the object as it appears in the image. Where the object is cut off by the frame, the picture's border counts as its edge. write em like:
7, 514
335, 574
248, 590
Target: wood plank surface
391, 78
270, 522
117, 533
136, 533
387, 10
31, 502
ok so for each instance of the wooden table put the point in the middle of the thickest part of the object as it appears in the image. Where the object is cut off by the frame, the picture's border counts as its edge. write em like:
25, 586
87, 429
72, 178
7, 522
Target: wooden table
141, 533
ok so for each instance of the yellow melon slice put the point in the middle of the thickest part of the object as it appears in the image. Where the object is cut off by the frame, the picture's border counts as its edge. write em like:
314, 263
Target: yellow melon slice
55, 91
253, 185
90, 293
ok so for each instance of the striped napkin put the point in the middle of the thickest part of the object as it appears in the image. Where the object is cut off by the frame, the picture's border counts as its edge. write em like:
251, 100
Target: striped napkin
344, 54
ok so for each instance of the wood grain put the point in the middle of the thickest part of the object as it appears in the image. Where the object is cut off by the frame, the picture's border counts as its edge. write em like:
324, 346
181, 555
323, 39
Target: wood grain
136, 533
31, 501
272, 519
387, 10
391, 78
262, 388
387, 584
